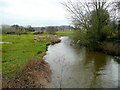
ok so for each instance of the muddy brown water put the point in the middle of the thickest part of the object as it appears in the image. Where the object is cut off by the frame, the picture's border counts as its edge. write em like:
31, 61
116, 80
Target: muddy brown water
78, 68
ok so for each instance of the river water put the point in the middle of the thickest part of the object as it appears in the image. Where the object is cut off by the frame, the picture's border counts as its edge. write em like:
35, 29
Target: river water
78, 68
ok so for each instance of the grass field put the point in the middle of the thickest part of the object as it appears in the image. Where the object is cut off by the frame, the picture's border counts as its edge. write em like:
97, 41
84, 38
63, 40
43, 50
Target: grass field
64, 33
21, 50
0, 61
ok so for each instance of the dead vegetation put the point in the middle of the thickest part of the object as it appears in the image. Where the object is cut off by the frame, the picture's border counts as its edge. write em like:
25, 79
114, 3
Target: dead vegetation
35, 75
110, 48
53, 38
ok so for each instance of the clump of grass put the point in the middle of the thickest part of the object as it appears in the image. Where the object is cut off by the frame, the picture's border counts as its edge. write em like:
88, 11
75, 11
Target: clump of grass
22, 50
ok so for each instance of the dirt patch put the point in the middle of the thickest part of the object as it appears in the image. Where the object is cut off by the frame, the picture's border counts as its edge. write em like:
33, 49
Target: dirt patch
35, 75
53, 38
110, 48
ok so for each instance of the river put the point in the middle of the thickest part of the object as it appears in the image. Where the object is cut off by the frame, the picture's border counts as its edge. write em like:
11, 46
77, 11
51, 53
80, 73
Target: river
78, 68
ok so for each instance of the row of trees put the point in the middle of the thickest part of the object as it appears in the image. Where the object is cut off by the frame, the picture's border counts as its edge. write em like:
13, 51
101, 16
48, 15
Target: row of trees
16, 29
95, 20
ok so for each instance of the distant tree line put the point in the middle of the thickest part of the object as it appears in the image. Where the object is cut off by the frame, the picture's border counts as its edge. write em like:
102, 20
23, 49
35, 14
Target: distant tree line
16, 29
59, 28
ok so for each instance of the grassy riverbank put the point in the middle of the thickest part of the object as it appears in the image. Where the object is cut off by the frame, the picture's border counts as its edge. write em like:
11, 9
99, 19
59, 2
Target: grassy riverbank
22, 55
19, 51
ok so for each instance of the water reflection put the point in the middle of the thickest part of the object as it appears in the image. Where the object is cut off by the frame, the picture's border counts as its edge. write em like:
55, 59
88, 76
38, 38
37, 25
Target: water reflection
79, 68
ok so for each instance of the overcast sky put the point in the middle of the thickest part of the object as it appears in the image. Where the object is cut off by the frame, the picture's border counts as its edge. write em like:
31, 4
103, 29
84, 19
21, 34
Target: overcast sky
32, 12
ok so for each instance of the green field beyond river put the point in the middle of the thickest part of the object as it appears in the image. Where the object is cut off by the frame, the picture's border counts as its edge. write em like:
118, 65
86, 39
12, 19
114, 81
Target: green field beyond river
74, 67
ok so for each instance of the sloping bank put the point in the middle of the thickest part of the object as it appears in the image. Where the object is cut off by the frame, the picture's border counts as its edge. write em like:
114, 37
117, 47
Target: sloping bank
36, 73
111, 48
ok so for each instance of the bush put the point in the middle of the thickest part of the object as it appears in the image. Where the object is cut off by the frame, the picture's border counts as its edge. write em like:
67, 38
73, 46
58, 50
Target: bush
20, 32
87, 38
106, 33
80, 35
51, 30
30, 29
39, 32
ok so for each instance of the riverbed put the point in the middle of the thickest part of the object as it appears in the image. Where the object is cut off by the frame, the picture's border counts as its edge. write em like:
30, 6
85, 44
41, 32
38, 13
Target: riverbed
74, 67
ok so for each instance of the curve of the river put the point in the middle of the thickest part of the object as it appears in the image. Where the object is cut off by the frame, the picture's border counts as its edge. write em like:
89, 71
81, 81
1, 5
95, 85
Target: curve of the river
78, 68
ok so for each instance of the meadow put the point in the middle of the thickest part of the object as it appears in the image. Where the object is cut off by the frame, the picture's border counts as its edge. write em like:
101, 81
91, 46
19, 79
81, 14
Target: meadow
20, 51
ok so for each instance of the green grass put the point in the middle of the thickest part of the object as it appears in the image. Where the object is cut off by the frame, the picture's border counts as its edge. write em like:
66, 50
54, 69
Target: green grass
64, 33
0, 55
20, 52
61, 33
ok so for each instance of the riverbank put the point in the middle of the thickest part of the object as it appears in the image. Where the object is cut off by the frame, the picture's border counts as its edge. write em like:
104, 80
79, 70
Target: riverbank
23, 66
111, 49
36, 74
108, 48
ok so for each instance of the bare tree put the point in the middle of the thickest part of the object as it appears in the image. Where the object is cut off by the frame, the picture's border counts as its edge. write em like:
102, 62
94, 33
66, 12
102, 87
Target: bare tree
80, 12
118, 17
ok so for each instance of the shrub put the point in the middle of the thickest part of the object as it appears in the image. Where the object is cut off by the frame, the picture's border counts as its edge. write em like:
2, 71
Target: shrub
39, 32
80, 35
87, 38
51, 30
20, 32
